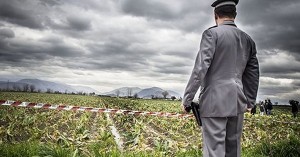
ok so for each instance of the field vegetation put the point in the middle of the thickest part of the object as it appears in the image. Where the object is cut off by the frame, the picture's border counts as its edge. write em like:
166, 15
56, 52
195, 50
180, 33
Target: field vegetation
41, 132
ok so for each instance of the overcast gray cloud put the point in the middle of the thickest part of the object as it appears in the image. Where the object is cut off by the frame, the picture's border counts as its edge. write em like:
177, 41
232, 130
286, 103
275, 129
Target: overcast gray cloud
274, 25
107, 44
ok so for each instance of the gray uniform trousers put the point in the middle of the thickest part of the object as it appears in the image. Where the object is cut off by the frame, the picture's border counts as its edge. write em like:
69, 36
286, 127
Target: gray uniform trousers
222, 136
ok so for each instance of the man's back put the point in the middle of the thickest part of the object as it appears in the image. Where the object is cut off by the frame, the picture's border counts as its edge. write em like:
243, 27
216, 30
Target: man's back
223, 81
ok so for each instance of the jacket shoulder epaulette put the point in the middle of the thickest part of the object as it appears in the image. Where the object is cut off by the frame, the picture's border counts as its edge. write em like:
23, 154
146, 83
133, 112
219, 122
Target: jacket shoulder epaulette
212, 27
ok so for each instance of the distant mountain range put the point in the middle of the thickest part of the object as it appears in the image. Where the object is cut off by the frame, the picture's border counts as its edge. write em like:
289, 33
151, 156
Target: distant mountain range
124, 91
43, 86
142, 93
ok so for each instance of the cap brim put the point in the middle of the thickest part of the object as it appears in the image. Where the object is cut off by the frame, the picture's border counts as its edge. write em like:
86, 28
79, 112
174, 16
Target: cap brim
214, 4
217, 2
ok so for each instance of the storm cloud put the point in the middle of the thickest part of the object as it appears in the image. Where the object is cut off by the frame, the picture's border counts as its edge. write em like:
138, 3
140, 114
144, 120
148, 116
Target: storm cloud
113, 43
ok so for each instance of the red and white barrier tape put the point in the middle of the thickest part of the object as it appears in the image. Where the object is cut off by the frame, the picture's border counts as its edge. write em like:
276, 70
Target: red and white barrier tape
91, 109
104, 110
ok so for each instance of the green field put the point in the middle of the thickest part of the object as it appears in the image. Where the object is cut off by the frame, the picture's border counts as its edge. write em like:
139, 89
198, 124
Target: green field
42, 132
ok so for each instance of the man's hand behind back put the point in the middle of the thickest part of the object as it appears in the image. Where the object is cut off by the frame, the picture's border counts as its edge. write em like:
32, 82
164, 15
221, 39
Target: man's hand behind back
185, 109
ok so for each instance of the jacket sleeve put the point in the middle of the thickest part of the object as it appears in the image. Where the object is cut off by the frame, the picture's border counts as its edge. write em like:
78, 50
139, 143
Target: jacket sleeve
202, 63
251, 77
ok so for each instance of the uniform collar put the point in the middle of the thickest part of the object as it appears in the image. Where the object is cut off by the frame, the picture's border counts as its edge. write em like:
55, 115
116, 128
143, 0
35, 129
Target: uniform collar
228, 22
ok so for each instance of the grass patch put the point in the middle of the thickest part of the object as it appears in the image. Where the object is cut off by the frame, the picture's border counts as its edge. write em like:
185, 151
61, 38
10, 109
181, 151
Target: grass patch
23, 149
35, 149
284, 148
38, 149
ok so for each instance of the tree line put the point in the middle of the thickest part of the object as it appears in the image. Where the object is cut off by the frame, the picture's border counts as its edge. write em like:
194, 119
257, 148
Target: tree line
32, 88
136, 96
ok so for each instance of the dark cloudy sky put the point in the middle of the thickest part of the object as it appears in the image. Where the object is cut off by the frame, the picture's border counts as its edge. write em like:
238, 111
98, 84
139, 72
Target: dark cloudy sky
106, 44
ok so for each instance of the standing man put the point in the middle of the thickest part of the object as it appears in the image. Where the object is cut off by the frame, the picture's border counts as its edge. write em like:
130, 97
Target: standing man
253, 110
294, 107
269, 107
266, 106
227, 70
262, 108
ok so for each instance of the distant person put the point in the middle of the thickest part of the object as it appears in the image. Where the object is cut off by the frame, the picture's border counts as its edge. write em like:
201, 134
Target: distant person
269, 107
227, 70
261, 108
266, 106
253, 110
295, 109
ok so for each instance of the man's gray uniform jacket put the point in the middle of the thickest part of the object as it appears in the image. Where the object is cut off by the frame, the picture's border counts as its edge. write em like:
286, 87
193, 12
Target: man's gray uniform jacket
227, 70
